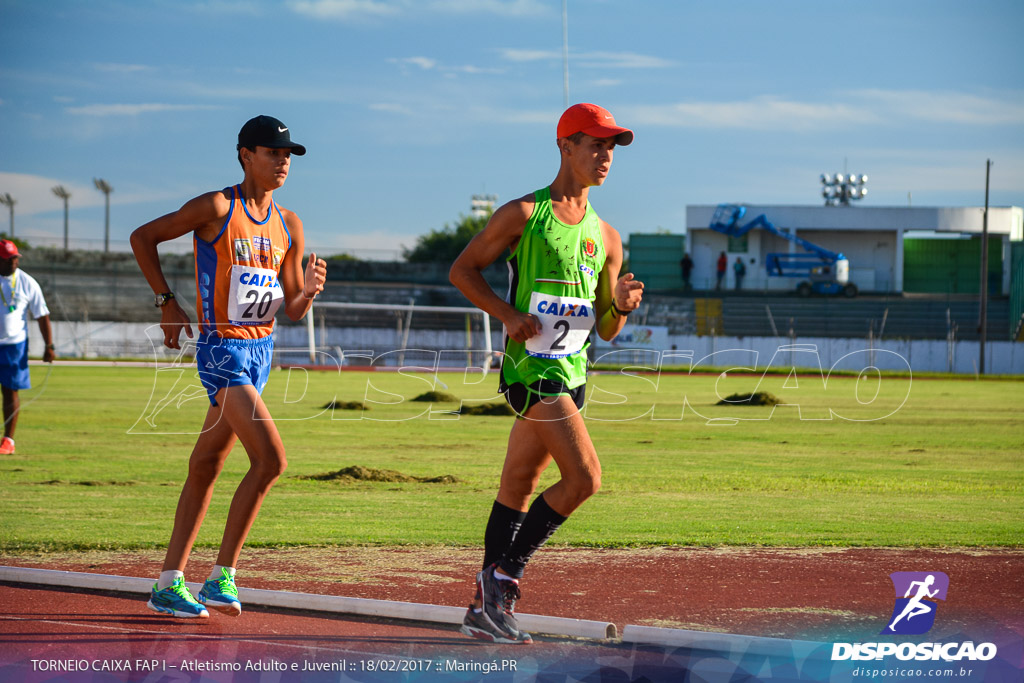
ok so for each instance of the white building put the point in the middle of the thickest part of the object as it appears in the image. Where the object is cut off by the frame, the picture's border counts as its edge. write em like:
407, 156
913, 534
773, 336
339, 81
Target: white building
871, 238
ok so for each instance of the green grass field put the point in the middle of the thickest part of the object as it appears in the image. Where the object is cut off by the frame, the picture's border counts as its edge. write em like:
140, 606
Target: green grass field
889, 461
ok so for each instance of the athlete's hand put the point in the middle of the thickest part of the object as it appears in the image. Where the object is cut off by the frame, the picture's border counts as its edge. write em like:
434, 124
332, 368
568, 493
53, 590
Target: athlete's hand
521, 326
628, 293
172, 320
316, 275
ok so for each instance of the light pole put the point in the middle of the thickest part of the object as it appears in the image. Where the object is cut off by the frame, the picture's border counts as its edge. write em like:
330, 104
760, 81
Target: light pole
840, 189
565, 54
104, 187
983, 291
7, 200
62, 192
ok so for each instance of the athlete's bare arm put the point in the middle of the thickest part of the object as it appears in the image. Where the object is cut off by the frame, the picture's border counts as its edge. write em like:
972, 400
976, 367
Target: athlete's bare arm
204, 215
299, 287
624, 291
502, 232
47, 333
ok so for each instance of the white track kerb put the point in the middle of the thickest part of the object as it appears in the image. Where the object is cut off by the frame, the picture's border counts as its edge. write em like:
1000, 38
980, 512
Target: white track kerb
556, 626
412, 611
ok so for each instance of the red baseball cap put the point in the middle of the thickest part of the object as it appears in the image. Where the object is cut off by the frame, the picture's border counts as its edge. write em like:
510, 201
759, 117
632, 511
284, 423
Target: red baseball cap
8, 249
594, 121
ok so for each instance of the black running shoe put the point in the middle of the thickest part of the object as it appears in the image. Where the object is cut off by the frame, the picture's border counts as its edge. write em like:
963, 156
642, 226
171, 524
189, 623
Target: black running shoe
499, 602
477, 625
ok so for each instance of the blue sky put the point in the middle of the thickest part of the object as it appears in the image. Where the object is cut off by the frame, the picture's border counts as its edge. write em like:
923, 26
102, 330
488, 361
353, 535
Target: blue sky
408, 107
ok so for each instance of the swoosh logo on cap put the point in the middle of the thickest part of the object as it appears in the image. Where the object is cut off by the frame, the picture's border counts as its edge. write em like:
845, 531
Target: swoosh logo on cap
281, 130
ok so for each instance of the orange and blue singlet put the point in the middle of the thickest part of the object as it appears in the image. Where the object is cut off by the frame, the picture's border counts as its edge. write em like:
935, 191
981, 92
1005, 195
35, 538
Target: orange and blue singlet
238, 293
237, 272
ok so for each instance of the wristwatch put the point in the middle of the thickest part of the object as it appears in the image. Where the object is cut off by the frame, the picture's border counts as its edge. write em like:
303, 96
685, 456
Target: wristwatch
163, 298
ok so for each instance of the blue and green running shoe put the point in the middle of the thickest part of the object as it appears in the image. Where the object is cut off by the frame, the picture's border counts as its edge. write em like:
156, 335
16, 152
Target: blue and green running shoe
221, 594
177, 601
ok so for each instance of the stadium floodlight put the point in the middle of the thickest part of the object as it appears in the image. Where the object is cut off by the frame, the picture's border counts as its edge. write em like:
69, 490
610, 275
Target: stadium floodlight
62, 192
104, 187
481, 205
838, 190
7, 200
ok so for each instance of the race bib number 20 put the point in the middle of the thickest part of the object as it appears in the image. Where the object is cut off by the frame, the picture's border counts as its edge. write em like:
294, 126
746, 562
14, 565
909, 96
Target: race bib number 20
565, 325
254, 296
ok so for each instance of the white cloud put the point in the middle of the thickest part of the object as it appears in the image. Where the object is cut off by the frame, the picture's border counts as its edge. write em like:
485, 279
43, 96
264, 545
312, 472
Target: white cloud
943, 107
368, 243
233, 7
424, 63
522, 55
589, 60
427, 64
470, 69
391, 108
759, 113
342, 9
110, 67
859, 107
34, 195
133, 109
941, 170
618, 60
511, 8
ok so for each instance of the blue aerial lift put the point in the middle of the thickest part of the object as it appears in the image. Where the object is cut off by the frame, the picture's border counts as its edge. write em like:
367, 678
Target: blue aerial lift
820, 271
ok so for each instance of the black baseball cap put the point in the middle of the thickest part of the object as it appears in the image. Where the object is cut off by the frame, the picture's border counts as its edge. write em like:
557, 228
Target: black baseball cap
266, 131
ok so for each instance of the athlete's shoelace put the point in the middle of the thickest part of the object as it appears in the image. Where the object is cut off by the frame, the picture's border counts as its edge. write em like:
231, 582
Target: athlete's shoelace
227, 587
181, 590
510, 593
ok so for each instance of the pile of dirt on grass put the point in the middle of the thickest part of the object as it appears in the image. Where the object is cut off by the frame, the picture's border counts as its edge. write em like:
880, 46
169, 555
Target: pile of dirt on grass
356, 473
436, 397
345, 405
759, 398
499, 408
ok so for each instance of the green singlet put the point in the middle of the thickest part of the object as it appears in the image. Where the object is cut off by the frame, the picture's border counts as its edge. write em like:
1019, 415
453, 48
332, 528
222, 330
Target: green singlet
553, 274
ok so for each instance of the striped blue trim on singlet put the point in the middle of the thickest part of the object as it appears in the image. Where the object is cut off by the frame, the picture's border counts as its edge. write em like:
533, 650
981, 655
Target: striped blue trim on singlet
206, 270
284, 225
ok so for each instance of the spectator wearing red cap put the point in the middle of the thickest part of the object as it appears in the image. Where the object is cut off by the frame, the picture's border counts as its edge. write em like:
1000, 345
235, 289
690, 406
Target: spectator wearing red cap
20, 294
564, 264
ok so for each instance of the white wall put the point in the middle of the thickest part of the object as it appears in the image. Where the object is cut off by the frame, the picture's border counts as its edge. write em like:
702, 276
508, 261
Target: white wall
922, 355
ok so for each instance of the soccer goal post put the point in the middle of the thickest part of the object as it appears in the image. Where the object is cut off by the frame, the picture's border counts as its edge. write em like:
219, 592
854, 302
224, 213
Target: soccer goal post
399, 334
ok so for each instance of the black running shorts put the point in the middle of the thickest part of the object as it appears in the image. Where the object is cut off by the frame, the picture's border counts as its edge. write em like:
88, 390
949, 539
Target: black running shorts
521, 396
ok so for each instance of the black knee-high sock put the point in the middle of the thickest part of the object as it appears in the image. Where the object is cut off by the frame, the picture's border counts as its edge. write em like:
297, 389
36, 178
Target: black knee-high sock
541, 521
502, 527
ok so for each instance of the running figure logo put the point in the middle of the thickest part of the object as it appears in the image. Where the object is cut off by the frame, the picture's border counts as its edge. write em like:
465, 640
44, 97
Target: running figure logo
916, 593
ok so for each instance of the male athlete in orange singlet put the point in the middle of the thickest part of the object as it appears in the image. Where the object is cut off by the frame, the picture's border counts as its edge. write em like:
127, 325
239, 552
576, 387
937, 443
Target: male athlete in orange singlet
248, 253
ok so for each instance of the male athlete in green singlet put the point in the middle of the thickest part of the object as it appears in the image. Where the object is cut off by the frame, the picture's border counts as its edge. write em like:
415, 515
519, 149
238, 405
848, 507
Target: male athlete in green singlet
564, 281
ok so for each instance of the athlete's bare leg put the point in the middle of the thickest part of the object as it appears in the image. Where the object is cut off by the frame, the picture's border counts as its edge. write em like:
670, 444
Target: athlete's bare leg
248, 416
204, 465
551, 431
12, 406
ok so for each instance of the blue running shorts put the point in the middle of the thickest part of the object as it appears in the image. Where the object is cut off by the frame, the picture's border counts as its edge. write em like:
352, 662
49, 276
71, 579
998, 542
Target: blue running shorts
14, 366
233, 362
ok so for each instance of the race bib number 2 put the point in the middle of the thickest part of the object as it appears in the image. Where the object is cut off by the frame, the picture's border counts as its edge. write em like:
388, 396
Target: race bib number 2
254, 296
565, 325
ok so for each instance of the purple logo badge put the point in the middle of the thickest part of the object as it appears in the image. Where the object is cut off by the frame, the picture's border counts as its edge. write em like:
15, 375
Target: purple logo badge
916, 595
